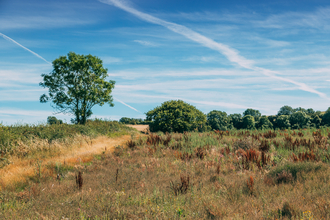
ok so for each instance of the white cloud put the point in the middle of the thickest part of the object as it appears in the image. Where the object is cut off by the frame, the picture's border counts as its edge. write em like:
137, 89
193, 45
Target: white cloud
230, 53
111, 60
271, 42
319, 19
146, 43
40, 22
202, 59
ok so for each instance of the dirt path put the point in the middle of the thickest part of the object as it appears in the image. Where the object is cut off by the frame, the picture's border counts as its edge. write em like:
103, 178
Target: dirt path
141, 128
21, 169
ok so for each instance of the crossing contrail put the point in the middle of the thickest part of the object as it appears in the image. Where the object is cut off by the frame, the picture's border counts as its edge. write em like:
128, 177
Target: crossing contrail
15, 42
127, 105
231, 54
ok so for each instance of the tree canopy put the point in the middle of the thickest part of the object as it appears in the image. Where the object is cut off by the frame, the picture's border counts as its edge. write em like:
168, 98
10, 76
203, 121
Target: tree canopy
219, 120
76, 84
299, 119
264, 123
285, 110
255, 113
248, 122
176, 116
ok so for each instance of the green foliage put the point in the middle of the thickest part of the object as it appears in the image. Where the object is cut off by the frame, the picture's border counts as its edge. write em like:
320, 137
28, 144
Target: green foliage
285, 110
299, 119
248, 122
236, 120
295, 168
300, 109
176, 116
264, 123
282, 122
310, 111
255, 113
219, 120
133, 121
273, 120
76, 84
316, 120
326, 117
53, 120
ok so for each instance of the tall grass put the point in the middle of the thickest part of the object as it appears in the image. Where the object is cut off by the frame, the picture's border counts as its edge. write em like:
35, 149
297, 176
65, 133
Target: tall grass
12, 136
212, 175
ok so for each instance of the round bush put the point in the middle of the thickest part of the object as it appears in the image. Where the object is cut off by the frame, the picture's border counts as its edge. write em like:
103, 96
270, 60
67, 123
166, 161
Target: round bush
176, 116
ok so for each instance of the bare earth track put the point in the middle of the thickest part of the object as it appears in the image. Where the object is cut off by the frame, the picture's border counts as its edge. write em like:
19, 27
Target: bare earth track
141, 128
20, 169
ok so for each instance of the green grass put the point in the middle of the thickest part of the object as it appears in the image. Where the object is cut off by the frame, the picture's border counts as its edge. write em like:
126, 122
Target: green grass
13, 136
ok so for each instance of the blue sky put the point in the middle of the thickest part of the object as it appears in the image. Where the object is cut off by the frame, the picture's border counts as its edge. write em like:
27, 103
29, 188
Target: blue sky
215, 55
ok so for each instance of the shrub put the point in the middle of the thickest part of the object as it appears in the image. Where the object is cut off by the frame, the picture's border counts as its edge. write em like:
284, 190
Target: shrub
53, 120
176, 116
295, 168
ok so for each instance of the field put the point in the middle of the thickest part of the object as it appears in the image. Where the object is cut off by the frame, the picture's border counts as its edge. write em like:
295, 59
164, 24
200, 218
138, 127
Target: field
238, 174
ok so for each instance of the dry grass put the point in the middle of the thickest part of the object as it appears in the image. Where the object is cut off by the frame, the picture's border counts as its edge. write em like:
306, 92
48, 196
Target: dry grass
152, 181
81, 150
141, 128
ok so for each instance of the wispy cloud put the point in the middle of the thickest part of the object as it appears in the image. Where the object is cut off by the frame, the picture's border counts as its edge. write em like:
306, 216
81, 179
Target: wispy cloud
146, 43
111, 60
271, 42
37, 55
40, 22
319, 19
202, 59
229, 52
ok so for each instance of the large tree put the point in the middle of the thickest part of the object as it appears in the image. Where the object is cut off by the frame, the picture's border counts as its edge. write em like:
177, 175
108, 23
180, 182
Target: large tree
219, 120
283, 122
255, 113
76, 84
248, 122
176, 116
236, 120
264, 123
299, 119
326, 117
285, 110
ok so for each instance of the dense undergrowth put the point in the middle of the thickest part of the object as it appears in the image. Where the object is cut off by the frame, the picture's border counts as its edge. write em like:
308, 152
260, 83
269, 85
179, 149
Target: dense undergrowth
213, 175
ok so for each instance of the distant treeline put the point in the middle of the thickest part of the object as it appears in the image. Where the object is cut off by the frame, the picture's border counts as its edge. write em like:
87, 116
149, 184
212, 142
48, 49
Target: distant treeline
134, 121
177, 115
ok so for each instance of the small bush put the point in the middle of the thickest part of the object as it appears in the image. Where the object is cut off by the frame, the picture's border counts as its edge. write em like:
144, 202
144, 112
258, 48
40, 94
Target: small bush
284, 177
288, 210
295, 168
244, 144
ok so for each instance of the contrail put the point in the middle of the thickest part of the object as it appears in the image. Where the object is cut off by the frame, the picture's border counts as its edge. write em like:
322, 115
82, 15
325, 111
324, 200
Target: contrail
127, 105
9, 39
231, 54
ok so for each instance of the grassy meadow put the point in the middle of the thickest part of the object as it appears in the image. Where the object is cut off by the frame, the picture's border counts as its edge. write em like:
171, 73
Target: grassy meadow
237, 174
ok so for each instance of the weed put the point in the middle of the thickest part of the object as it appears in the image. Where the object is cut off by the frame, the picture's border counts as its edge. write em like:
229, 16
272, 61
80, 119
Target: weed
182, 187
250, 185
284, 177
79, 180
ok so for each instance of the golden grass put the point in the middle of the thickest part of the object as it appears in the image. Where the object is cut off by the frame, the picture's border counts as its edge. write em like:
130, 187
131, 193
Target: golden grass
81, 150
